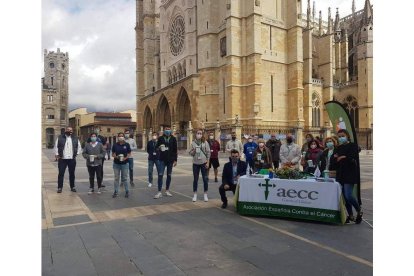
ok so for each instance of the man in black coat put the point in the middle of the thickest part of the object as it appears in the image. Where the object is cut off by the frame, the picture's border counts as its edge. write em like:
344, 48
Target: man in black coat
167, 147
231, 173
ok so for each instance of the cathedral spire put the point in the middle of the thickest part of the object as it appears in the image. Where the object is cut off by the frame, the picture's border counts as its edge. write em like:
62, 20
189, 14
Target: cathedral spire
353, 7
329, 21
320, 22
336, 25
367, 17
308, 16
313, 12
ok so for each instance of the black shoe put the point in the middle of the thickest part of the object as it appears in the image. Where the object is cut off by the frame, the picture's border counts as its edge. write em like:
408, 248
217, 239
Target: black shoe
59, 190
224, 205
126, 194
215, 179
349, 220
132, 184
114, 195
103, 186
73, 189
358, 219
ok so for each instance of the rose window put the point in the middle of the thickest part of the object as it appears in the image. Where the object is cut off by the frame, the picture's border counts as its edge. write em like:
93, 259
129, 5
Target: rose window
177, 33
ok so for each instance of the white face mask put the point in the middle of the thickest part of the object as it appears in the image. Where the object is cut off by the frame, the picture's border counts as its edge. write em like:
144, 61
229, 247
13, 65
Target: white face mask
126, 135
211, 137
250, 140
154, 137
198, 136
261, 145
313, 146
121, 139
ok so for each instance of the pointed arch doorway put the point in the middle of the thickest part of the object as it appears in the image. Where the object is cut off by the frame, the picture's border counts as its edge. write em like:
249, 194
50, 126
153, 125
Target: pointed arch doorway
163, 113
183, 116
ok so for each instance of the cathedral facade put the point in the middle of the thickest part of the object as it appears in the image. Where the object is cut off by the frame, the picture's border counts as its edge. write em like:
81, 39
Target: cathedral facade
54, 96
254, 67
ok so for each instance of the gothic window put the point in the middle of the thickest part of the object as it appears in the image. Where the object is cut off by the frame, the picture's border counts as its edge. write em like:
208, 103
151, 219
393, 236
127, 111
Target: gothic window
180, 72
174, 75
52, 65
223, 47
51, 79
169, 77
351, 105
316, 110
50, 98
62, 114
50, 113
177, 33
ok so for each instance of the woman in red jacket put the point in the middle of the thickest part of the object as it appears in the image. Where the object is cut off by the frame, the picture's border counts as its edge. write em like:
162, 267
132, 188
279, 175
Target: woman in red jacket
214, 150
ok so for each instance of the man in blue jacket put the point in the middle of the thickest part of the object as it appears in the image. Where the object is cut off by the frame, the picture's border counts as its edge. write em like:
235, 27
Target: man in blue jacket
249, 149
231, 173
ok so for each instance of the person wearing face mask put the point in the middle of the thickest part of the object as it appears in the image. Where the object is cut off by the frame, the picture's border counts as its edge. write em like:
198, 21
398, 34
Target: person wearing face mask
133, 145
290, 153
325, 157
67, 147
167, 146
311, 158
101, 140
153, 155
345, 161
200, 151
234, 144
274, 145
308, 137
249, 149
262, 157
231, 173
214, 151
121, 151
94, 153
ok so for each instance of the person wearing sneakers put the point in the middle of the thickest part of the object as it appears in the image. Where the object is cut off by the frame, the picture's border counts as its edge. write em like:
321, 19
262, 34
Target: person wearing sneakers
121, 151
133, 146
152, 157
167, 146
200, 151
94, 153
231, 173
67, 147
214, 150
344, 161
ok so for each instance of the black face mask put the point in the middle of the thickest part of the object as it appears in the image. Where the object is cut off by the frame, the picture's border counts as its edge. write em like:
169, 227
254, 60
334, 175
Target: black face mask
234, 159
233, 138
289, 140
68, 133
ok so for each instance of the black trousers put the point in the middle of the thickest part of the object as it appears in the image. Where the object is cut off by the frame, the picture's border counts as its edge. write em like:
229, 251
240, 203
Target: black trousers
62, 164
222, 191
92, 170
102, 168
275, 164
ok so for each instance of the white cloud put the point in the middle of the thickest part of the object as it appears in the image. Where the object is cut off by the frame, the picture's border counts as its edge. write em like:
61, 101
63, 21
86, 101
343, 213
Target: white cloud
99, 73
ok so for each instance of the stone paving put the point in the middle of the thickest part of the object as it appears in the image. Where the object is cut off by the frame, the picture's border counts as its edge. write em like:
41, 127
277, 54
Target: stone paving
97, 235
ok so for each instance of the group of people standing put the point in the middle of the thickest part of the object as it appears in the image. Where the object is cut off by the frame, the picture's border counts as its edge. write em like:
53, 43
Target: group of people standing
335, 154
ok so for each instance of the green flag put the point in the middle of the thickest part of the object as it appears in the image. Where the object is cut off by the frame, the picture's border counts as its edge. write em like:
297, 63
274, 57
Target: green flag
340, 119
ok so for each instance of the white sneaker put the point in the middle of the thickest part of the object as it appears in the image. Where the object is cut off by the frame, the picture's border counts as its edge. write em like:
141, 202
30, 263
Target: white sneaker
205, 197
167, 193
195, 198
99, 191
149, 185
90, 191
158, 195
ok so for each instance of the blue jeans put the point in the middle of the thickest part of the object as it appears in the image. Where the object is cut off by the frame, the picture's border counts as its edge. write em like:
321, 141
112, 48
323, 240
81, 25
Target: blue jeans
131, 169
350, 200
151, 164
196, 173
123, 170
161, 166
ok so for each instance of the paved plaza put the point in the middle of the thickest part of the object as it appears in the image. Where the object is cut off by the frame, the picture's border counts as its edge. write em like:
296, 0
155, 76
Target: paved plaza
99, 235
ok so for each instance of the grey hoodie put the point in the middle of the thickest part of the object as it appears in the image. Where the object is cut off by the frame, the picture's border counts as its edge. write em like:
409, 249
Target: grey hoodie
203, 154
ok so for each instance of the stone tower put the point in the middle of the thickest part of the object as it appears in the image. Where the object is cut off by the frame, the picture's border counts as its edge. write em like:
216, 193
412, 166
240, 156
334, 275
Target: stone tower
54, 95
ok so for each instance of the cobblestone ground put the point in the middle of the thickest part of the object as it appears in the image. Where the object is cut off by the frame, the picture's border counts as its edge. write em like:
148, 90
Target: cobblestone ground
97, 235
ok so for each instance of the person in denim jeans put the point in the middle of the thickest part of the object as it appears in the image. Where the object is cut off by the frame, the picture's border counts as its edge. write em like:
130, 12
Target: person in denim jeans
121, 151
200, 151
167, 147
345, 161
152, 157
133, 146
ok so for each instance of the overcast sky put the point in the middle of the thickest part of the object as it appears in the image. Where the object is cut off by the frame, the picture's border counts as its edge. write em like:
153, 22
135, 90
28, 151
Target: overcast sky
99, 36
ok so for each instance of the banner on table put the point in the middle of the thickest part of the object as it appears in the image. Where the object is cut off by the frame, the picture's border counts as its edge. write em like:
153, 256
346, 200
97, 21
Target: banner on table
340, 119
303, 199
